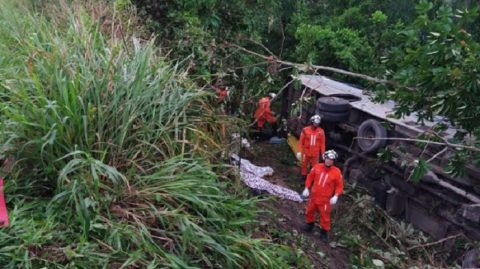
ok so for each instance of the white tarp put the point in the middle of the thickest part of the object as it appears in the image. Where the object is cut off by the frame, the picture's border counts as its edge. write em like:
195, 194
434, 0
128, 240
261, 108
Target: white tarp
252, 176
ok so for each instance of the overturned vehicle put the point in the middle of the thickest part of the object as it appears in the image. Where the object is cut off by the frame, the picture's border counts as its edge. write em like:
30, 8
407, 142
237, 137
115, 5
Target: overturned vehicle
384, 161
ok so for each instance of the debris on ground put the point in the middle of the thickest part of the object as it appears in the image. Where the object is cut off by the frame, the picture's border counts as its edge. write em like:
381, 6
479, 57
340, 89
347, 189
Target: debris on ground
237, 138
252, 176
365, 236
277, 140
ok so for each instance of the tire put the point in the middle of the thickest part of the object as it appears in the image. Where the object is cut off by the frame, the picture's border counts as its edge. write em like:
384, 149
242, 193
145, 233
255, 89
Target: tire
334, 116
332, 104
371, 129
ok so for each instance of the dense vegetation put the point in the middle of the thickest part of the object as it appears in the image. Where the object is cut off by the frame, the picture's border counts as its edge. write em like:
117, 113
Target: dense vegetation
428, 50
114, 145
117, 144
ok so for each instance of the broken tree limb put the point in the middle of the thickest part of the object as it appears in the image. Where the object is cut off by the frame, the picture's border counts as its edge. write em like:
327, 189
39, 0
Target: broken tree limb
307, 67
261, 45
283, 88
437, 154
436, 242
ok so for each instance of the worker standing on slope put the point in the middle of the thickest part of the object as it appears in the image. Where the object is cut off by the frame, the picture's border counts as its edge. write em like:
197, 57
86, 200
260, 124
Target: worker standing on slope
324, 185
263, 113
311, 145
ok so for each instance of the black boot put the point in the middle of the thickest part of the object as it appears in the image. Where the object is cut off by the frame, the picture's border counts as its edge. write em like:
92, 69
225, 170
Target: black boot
301, 184
257, 192
323, 236
274, 129
308, 227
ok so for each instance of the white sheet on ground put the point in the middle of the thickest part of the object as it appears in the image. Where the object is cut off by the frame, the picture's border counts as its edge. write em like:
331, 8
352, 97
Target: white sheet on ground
252, 176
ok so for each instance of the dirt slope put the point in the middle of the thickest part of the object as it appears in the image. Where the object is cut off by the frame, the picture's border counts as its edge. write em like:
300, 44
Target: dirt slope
283, 218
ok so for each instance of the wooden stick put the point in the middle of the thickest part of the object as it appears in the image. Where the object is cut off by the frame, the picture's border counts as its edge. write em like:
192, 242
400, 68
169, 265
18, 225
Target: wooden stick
313, 67
436, 242
437, 154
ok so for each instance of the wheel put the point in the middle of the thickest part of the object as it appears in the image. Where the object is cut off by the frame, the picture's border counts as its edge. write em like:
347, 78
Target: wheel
371, 129
334, 116
332, 104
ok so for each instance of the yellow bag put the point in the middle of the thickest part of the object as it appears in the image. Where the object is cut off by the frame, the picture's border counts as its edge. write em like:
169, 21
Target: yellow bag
293, 143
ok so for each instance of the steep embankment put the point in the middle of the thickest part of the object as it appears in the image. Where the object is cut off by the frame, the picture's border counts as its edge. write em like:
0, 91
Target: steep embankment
112, 146
363, 234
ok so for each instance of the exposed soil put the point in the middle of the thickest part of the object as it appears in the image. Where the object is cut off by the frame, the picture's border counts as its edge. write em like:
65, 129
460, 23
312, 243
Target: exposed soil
287, 217
361, 230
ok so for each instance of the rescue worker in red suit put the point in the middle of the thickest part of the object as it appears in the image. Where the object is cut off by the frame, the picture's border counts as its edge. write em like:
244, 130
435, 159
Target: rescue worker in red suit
221, 91
324, 184
263, 113
311, 145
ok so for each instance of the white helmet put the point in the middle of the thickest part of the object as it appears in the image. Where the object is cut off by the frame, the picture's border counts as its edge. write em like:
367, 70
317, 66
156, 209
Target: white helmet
330, 154
272, 95
316, 119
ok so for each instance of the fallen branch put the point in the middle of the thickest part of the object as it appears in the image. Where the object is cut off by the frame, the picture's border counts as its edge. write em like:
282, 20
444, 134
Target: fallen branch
261, 45
307, 67
437, 154
374, 231
435, 243
283, 88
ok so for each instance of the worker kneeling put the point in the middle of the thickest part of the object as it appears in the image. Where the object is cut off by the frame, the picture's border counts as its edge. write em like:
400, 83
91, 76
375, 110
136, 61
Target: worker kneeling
324, 184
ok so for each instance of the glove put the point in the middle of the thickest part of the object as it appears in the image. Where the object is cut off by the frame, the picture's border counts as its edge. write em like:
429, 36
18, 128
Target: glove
299, 156
245, 143
306, 193
333, 200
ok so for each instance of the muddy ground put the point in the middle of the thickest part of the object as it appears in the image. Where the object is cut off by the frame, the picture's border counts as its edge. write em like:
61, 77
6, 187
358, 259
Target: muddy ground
363, 235
361, 232
282, 220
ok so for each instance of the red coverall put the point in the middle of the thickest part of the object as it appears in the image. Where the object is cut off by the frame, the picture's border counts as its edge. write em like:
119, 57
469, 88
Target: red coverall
263, 113
3, 208
323, 182
222, 93
312, 144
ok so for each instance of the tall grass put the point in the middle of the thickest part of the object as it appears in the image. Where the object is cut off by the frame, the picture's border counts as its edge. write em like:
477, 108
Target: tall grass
112, 146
